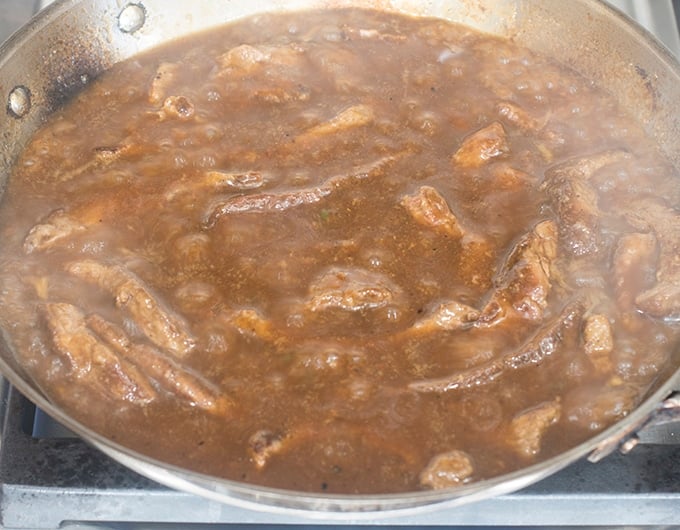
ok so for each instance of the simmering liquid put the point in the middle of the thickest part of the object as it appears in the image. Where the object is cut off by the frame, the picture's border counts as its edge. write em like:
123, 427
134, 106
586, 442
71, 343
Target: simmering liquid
343, 251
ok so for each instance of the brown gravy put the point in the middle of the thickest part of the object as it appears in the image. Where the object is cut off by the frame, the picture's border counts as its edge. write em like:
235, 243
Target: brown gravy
345, 252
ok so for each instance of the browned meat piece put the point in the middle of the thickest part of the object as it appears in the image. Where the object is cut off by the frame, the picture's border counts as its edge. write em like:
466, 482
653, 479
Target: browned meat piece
599, 342
102, 157
178, 107
663, 299
164, 77
169, 374
93, 362
347, 119
523, 284
164, 328
277, 67
548, 339
262, 445
447, 470
371, 33
250, 322
352, 290
55, 228
449, 316
430, 209
282, 94
528, 428
264, 202
246, 60
283, 201
576, 201
634, 266
245, 180
544, 344
517, 116
481, 146
217, 180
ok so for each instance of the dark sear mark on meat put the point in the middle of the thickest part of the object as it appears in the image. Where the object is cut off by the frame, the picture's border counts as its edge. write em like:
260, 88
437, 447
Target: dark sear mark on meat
280, 202
576, 202
349, 252
540, 347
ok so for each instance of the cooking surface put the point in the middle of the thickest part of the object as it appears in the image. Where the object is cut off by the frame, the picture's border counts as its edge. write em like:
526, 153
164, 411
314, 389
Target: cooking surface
648, 494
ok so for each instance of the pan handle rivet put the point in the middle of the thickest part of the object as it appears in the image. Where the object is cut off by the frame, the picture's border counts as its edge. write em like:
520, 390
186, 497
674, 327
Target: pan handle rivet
131, 18
19, 102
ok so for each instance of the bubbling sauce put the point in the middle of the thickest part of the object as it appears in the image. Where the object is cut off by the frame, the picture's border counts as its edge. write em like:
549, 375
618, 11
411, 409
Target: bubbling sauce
343, 251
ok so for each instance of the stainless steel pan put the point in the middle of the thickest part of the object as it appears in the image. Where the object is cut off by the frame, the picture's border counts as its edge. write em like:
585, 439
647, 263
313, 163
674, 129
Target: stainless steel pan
65, 46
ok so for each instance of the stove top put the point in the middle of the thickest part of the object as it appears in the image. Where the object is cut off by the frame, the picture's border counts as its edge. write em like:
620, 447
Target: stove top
50, 479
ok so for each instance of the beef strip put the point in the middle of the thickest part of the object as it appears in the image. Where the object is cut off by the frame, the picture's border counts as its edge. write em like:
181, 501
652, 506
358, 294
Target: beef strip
262, 445
663, 299
170, 375
56, 227
163, 79
102, 157
165, 328
447, 470
527, 429
93, 362
634, 265
517, 116
428, 208
482, 146
251, 322
544, 344
283, 201
177, 107
245, 59
523, 284
575, 200
347, 119
216, 181
448, 316
352, 289
599, 342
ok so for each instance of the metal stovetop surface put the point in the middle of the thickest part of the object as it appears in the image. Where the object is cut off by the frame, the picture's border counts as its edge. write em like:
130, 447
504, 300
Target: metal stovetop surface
49, 481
